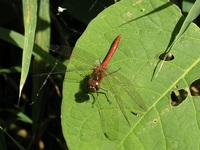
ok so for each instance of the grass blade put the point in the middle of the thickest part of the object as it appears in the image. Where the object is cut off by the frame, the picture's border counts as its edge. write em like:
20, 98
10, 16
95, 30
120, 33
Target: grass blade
30, 20
193, 13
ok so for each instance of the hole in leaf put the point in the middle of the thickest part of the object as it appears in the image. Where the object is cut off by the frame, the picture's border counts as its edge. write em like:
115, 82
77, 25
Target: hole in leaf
177, 97
135, 114
155, 121
195, 88
166, 56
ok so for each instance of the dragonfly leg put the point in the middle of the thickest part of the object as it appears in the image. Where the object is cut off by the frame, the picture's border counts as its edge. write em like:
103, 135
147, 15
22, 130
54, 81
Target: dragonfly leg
106, 95
95, 98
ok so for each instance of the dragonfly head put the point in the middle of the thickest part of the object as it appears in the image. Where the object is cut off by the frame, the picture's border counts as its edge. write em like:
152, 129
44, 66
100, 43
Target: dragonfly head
93, 86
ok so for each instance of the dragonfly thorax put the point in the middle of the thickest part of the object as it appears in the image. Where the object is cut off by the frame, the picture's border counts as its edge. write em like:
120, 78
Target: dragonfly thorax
96, 78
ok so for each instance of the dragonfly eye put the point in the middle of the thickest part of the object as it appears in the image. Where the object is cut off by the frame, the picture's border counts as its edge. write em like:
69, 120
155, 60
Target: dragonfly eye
92, 88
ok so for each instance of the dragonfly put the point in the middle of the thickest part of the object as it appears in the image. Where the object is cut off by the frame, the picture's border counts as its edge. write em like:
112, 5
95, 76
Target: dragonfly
109, 84
116, 84
99, 73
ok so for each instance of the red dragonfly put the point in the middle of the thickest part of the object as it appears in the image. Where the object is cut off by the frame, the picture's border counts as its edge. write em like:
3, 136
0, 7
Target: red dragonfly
116, 86
99, 73
94, 85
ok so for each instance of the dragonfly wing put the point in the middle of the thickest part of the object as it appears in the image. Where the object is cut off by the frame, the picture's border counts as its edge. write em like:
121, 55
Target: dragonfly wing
131, 98
126, 96
114, 93
109, 119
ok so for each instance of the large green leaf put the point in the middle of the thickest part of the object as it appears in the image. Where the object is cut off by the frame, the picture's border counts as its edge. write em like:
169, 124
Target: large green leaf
147, 28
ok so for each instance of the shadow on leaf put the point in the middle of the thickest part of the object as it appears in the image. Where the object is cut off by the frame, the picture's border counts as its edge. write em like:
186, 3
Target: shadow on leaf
83, 93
